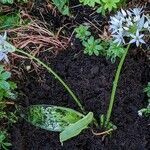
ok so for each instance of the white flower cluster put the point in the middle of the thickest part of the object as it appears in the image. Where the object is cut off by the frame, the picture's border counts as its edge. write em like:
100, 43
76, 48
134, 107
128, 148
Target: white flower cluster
5, 48
129, 24
3, 51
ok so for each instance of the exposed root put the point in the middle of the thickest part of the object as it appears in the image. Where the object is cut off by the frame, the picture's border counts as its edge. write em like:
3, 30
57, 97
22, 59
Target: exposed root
102, 133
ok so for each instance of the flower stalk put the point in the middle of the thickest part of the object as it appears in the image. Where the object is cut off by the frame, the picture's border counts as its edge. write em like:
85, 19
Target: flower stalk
56, 77
115, 84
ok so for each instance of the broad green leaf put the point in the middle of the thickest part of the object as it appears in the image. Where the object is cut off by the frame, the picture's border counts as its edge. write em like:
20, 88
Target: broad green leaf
6, 1
10, 20
52, 118
5, 75
75, 129
4, 85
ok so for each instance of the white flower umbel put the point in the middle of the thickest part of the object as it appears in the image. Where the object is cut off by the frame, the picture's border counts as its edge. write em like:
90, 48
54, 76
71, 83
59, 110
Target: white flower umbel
5, 48
130, 25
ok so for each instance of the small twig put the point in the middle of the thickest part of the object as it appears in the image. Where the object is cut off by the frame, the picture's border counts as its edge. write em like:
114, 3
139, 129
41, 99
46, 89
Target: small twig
93, 25
8, 103
19, 56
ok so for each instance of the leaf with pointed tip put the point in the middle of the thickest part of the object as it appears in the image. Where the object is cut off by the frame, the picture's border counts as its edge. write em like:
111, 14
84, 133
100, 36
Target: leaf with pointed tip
52, 118
75, 129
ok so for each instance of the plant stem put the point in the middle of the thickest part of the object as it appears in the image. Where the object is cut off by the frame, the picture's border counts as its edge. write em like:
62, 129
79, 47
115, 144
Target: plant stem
115, 84
56, 76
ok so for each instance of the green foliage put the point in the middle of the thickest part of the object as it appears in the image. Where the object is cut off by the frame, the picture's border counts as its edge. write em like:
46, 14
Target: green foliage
6, 87
4, 143
146, 111
90, 3
76, 128
36, 115
114, 51
96, 46
108, 126
22, 1
110, 4
59, 119
104, 5
7, 1
12, 1
62, 6
6, 92
92, 46
82, 32
11, 20
51, 118
147, 90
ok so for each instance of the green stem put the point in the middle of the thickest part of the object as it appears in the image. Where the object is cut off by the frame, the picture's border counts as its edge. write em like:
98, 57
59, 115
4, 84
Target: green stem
56, 76
115, 84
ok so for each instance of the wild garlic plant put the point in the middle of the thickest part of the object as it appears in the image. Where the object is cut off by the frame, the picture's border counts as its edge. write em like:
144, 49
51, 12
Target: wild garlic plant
127, 27
5, 48
73, 122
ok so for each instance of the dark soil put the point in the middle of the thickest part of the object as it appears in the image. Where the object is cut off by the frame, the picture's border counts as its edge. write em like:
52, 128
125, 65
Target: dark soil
91, 79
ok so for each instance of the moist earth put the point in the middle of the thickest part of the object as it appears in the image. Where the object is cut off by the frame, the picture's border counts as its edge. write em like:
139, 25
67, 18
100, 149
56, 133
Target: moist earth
91, 79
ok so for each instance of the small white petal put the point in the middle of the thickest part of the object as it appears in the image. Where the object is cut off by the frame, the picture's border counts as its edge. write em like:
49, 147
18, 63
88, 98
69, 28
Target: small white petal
129, 13
132, 41
146, 24
137, 33
5, 35
137, 43
141, 36
126, 28
123, 12
142, 41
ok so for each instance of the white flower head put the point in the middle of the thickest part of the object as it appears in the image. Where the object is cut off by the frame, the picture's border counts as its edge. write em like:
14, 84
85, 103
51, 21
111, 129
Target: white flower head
5, 48
129, 23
